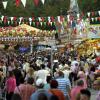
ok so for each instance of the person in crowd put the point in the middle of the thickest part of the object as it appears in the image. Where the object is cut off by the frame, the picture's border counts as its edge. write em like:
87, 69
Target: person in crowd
64, 85
82, 76
11, 65
4, 68
30, 73
25, 90
40, 85
76, 90
10, 85
47, 85
16, 97
74, 69
55, 91
42, 96
98, 96
66, 70
17, 73
85, 94
43, 73
26, 66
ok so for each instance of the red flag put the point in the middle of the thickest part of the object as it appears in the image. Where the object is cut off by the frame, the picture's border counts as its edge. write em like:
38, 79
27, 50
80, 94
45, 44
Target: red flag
17, 2
36, 2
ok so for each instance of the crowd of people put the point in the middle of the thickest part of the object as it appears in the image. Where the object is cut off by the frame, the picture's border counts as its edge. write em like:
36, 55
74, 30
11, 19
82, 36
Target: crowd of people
33, 77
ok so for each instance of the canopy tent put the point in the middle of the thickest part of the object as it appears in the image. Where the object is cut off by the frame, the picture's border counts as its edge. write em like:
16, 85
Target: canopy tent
24, 30
28, 28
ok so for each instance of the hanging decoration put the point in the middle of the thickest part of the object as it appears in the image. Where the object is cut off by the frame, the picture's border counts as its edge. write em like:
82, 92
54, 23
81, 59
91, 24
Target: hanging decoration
36, 2
2, 18
99, 13
17, 3
43, 1
12, 18
5, 4
23, 2
88, 14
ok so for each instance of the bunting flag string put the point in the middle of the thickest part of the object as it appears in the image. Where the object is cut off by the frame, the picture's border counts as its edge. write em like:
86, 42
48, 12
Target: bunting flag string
51, 19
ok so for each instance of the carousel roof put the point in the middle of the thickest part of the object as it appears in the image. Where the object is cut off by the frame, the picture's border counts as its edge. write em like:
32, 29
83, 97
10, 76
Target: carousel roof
28, 28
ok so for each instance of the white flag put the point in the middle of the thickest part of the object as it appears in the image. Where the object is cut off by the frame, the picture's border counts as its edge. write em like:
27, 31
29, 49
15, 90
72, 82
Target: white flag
2, 18
39, 19
23, 2
88, 14
11, 18
99, 13
19, 23
58, 18
43, 1
20, 19
49, 19
92, 19
4, 4
78, 15
41, 23
8, 22
30, 19
96, 18
30, 23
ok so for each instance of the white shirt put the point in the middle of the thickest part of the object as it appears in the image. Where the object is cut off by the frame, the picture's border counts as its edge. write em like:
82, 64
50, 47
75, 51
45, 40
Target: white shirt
73, 67
26, 67
42, 74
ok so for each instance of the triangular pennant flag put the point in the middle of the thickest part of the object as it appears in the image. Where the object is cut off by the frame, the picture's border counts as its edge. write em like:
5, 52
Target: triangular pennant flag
78, 15
99, 13
51, 23
39, 19
96, 18
23, 2
19, 23
41, 23
36, 2
30, 19
4, 4
92, 19
58, 18
30, 22
12, 18
43, 1
68, 18
20, 19
8, 22
88, 14
17, 2
49, 19
2, 18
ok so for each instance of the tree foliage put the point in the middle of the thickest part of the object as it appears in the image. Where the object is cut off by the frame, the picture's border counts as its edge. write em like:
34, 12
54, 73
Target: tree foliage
50, 8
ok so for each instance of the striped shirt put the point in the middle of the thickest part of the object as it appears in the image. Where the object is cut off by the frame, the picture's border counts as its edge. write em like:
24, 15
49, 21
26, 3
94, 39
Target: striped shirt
64, 85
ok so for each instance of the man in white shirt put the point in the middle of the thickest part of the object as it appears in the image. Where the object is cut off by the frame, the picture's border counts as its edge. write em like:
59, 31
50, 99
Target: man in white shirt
26, 66
43, 73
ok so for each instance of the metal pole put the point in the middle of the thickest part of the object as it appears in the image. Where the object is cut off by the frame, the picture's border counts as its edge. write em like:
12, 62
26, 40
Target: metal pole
52, 60
31, 45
